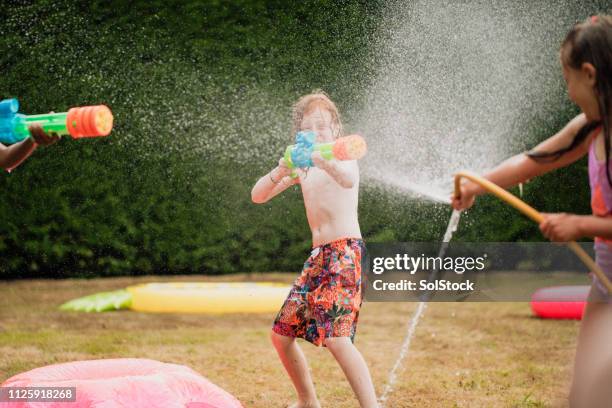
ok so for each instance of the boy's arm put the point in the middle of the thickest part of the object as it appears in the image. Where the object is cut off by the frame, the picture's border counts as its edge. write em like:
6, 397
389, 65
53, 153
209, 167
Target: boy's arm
345, 173
273, 183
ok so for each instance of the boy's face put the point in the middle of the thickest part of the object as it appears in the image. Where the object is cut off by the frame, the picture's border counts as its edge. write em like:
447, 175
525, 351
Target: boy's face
581, 89
319, 120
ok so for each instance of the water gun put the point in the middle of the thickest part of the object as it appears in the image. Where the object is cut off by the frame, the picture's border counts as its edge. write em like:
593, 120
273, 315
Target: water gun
351, 147
84, 121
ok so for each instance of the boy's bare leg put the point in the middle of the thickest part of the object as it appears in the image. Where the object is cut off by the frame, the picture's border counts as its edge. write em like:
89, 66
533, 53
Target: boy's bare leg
355, 369
294, 361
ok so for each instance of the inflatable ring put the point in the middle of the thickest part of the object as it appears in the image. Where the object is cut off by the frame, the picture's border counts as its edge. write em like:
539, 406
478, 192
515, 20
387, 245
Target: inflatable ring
208, 297
123, 382
560, 302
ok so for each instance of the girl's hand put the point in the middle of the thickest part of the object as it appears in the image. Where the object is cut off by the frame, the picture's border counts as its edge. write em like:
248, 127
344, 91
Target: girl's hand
467, 197
42, 138
561, 227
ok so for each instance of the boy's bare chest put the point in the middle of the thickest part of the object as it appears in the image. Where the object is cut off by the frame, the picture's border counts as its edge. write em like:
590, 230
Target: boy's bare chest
318, 182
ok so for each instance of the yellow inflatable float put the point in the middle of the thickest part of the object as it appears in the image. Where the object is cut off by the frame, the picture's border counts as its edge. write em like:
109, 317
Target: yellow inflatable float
208, 297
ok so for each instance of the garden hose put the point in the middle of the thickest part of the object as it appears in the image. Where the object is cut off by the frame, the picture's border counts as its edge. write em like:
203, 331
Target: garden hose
532, 213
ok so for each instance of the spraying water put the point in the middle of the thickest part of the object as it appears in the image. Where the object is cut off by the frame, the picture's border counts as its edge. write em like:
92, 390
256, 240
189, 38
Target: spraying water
458, 86
452, 91
416, 317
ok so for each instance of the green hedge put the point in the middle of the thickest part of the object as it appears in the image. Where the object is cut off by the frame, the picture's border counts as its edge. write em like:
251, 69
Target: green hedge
201, 92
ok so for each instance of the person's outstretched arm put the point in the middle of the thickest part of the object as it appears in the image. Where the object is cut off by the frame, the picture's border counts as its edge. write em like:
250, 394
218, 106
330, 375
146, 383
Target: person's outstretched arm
13, 155
521, 167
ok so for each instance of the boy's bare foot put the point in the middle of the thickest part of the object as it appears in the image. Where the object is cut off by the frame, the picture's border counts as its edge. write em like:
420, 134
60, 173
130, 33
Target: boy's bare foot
305, 404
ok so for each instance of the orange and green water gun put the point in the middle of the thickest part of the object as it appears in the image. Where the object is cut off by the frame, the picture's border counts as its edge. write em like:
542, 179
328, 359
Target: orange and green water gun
79, 122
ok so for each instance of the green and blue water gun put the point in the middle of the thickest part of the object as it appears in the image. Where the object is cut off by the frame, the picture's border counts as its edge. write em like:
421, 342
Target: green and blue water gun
299, 155
84, 121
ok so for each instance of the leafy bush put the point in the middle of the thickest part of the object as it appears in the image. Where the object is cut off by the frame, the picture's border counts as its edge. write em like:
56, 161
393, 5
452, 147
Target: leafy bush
201, 92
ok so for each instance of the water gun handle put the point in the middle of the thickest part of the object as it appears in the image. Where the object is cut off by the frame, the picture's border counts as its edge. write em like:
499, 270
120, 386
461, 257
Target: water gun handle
85, 121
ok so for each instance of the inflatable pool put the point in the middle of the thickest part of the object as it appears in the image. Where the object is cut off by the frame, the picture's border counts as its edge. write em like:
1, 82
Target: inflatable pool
208, 297
560, 302
124, 382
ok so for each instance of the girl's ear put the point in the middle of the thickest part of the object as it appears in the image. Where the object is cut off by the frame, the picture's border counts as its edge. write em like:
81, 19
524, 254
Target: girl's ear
590, 73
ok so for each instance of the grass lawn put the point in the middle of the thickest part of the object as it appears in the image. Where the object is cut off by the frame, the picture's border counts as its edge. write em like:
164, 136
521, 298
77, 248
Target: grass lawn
462, 355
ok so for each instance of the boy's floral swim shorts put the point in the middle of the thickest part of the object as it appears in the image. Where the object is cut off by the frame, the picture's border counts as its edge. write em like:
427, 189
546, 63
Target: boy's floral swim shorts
325, 299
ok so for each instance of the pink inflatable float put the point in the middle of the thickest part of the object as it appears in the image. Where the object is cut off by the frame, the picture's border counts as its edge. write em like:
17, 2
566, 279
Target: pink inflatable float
127, 382
560, 302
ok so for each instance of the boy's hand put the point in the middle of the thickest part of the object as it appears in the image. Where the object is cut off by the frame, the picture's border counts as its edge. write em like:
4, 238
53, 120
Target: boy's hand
41, 137
282, 170
560, 227
319, 161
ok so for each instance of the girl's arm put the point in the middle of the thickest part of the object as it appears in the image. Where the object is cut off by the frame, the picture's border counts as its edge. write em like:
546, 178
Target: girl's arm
273, 183
593, 226
564, 227
521, 167
345, 173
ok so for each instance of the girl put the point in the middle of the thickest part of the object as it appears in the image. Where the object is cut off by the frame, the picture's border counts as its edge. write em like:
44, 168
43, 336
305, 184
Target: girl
586, 58
323, 305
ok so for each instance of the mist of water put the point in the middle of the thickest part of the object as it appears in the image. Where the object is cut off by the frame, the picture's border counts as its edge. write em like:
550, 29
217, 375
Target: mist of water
451, 86
457, 85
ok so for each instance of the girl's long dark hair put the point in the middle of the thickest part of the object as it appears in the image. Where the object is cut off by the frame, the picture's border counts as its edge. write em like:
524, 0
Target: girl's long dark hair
590, 42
